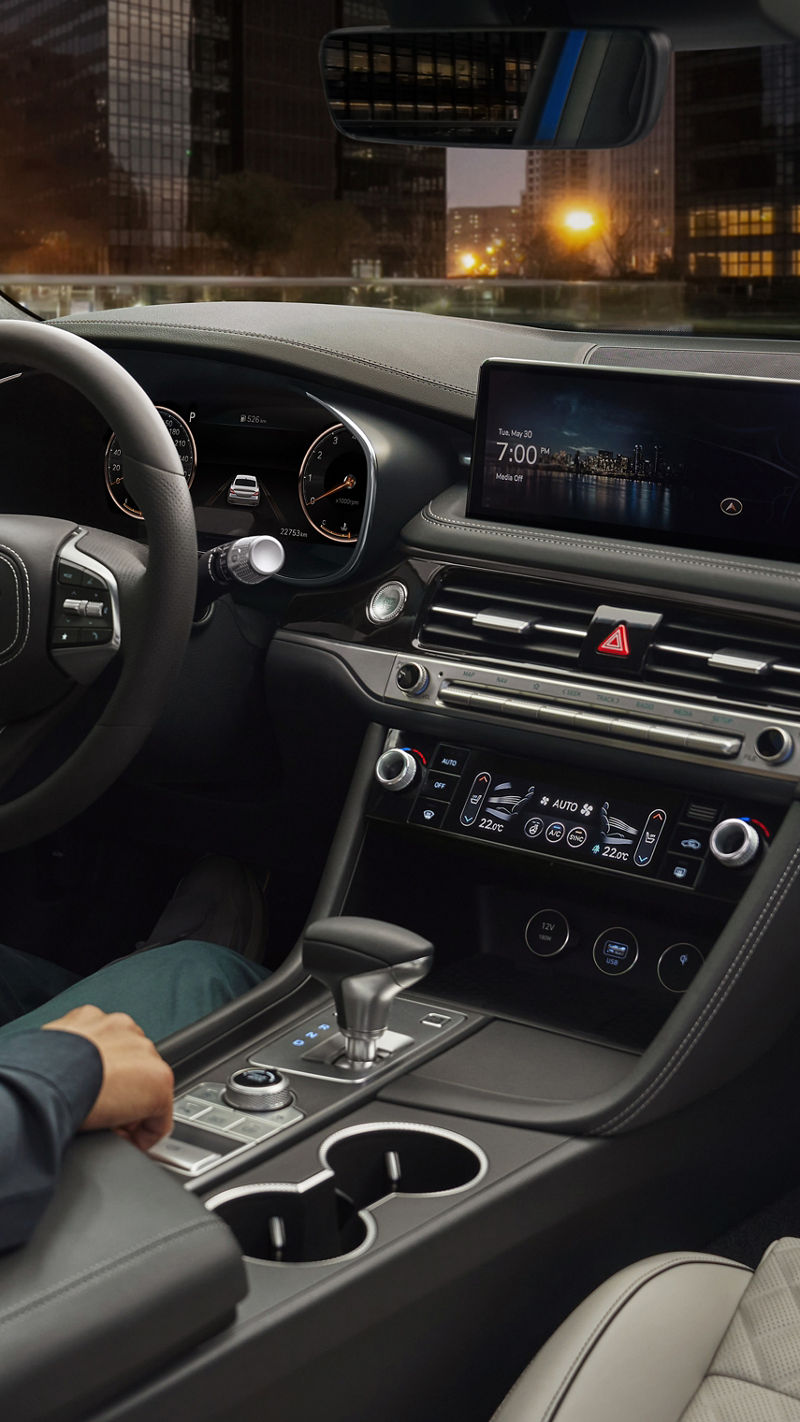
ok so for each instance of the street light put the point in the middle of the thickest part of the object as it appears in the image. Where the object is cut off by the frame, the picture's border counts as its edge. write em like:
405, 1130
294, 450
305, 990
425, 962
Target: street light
468, 261
579, 220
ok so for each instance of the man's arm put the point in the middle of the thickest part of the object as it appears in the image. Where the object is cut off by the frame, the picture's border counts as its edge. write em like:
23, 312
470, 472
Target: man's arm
89, 1070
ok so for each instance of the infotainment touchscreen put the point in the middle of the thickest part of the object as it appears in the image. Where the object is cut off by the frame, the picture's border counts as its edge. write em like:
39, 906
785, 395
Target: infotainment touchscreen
695, 460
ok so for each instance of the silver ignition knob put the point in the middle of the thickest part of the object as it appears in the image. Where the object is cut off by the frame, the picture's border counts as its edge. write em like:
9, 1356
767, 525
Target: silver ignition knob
258, 1089
734, 843
395, 770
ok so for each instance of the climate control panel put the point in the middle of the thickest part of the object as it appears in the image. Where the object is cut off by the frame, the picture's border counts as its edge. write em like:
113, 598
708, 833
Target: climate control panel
690, 841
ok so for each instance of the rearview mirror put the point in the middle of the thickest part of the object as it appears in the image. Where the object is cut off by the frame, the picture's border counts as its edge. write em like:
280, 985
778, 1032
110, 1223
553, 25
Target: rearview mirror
509, 88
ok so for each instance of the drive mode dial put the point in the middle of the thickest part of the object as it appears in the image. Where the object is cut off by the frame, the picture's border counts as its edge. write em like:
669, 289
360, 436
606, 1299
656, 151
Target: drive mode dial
258, 1089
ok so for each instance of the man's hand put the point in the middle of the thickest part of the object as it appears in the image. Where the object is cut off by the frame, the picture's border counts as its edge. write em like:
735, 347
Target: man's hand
135, 1098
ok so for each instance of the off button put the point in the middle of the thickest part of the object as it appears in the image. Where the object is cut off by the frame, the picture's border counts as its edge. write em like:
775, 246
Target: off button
547, 933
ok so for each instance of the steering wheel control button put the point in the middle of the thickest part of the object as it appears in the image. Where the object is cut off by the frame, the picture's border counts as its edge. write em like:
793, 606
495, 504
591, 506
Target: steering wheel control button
429, 813
615, 951
412, 678
387, 603
258, 1089
69, 575
678, 965
734, 843
395, 770
774, 745
554, 832
441, 787
451, 759
547, 933
82, 614
689, 841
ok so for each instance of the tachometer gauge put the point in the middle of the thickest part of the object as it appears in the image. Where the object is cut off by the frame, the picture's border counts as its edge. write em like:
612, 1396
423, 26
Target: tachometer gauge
183, 440
333, 485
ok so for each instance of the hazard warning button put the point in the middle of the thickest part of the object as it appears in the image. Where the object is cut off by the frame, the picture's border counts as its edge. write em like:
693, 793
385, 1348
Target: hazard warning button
616, 644
619, 639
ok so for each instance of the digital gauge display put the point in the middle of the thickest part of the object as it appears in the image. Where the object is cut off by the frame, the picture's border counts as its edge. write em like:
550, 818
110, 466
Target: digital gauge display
182, 438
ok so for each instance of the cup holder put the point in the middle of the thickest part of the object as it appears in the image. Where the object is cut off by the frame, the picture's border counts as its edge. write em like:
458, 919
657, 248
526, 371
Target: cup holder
327, 1217
294, 1224
370, 1162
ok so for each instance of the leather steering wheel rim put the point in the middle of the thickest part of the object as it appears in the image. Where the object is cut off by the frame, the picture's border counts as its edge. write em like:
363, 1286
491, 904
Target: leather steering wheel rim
157, 585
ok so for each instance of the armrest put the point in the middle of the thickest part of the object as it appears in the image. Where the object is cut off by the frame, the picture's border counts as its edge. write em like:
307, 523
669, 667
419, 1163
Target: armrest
125, 1272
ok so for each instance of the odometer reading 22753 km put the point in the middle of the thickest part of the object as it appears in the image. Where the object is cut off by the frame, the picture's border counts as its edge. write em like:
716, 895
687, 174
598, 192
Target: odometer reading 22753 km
333, 485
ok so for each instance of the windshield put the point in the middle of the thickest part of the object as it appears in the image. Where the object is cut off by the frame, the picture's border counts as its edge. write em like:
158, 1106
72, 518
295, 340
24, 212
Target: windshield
182, 150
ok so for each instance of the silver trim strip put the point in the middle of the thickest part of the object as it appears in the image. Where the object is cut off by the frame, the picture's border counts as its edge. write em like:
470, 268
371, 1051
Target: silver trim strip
703, 743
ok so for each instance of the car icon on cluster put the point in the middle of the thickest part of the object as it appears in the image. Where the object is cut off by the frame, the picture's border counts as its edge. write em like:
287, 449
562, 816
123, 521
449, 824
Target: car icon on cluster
244, 490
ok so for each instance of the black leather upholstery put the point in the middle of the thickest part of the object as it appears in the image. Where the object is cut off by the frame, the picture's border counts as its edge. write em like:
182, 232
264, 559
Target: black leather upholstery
125, 1272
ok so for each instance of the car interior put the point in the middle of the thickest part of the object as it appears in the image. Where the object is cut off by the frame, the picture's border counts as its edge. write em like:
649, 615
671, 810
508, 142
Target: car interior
515, 760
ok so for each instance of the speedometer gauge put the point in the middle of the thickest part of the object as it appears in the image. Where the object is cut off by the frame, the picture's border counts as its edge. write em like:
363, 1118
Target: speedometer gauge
333, 485
182, 438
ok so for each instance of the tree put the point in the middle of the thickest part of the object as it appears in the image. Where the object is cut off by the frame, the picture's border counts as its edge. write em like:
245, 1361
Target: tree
546, 256
254, 215
329, 238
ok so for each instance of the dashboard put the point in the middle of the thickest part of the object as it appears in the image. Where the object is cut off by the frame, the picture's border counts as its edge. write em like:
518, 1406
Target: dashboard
260, 457
567, 756
617, 698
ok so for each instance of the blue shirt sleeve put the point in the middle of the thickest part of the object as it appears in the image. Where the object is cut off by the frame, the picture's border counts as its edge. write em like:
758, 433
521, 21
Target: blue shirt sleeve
49, 1082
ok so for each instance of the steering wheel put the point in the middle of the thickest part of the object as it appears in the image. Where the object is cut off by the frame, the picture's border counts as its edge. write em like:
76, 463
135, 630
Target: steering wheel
74, 598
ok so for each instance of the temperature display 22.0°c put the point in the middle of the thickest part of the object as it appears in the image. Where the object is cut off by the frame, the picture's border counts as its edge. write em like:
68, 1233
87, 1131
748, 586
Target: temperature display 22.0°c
182, 438
333, 485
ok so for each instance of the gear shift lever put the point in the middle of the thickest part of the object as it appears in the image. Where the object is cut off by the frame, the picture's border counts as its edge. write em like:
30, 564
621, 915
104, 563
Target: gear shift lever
365, 963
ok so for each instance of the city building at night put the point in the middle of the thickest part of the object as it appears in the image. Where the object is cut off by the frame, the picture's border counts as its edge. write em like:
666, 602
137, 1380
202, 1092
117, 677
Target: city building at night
738, 183
627, 194
484, 240
120, 119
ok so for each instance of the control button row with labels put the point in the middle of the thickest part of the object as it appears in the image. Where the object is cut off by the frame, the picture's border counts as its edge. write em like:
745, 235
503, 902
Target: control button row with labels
615, 950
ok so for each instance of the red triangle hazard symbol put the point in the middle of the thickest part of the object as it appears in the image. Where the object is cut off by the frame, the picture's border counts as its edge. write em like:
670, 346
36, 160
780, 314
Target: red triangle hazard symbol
616, 643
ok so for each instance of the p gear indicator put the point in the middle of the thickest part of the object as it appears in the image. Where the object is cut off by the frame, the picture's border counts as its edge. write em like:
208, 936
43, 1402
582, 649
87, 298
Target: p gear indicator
616, 644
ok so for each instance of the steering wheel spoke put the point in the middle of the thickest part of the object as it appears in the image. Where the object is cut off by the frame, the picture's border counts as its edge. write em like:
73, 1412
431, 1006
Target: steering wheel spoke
73, 598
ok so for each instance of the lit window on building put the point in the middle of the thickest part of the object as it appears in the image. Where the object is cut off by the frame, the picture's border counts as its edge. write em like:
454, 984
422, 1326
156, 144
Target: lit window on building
732, 264
732, 222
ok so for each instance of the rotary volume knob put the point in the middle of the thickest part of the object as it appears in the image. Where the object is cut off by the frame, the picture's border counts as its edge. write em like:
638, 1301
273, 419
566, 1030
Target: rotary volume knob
734, 843
258, 1089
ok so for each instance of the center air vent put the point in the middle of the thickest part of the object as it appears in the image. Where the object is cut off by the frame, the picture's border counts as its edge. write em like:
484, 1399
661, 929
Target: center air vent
535, 624
732, 659
506, 619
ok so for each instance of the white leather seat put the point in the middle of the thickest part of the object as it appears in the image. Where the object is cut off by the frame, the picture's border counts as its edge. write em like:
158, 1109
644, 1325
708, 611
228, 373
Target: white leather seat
676, 1338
